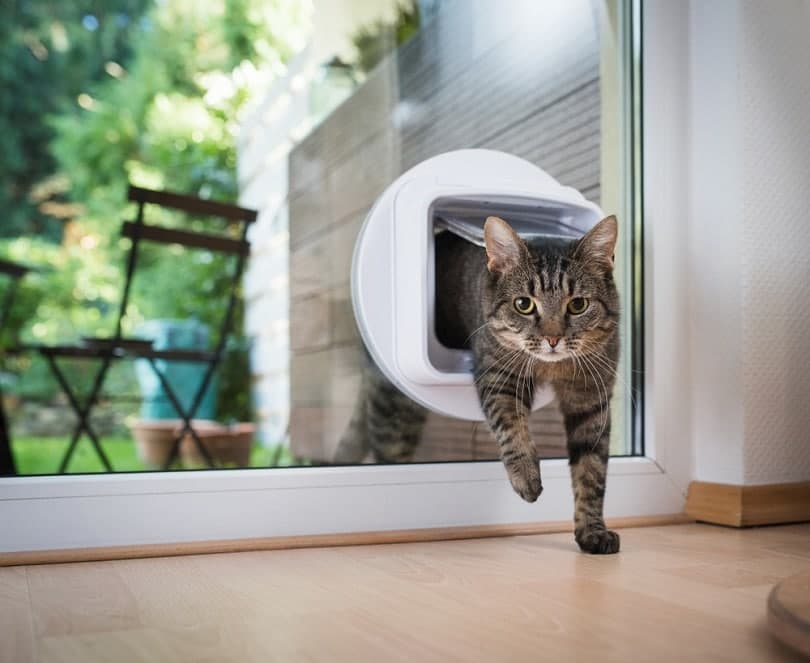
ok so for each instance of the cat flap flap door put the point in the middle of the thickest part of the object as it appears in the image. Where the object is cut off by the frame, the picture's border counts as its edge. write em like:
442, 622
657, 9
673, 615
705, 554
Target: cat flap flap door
393, 276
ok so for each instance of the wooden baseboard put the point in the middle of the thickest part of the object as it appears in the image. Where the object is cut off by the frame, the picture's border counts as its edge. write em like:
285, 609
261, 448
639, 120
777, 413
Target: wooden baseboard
746, 506
315, 541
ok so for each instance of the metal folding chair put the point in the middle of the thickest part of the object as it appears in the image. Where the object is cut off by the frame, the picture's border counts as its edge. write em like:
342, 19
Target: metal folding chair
120, 347
12, 273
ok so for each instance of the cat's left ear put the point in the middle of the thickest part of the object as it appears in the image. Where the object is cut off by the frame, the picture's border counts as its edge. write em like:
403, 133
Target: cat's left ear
599, 245
505, 249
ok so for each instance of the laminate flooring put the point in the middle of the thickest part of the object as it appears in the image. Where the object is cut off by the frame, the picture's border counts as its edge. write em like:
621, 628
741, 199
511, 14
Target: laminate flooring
675, 593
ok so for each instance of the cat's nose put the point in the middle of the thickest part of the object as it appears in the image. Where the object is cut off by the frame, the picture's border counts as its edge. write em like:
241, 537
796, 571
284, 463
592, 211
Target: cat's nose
552, 340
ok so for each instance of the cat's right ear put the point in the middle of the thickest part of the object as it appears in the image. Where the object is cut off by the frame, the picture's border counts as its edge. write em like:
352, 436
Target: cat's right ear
504, 247
599, 244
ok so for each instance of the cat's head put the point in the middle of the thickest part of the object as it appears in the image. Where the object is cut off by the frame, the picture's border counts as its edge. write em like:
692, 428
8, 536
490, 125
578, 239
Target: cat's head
552, 299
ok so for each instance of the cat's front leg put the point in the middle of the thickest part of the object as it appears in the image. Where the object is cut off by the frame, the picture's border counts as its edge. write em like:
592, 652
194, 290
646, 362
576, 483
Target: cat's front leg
587, 425
506, 401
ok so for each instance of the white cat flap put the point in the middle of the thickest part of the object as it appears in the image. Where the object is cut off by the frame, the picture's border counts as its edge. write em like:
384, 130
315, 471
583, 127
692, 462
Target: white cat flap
393, 270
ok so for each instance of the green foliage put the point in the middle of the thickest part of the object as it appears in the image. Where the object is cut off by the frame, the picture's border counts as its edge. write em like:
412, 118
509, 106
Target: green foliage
261, 31
165, 118
41, 455
47, 57
376, 40
234, 395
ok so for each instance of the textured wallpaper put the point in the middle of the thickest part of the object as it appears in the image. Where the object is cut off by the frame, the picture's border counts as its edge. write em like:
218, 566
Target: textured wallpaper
774, 95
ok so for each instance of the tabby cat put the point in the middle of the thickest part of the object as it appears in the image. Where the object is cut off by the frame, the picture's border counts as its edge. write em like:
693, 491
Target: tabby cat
532, 312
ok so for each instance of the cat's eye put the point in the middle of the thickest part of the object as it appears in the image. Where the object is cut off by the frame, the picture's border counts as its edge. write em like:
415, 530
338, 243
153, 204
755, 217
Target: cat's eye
524, 305
578, 306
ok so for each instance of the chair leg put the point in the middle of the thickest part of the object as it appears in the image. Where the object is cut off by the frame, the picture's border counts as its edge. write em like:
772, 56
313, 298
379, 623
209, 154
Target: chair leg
74, 440
7, 466
83, 413
185, 416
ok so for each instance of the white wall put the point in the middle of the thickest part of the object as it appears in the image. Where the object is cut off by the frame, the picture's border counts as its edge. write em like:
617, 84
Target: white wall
714, 268
742, 133
774, 98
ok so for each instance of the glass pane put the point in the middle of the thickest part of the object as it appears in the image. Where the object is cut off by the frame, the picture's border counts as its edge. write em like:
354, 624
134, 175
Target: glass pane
544, 81
306, 113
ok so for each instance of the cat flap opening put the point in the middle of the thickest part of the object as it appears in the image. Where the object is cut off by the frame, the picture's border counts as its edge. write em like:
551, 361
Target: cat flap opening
393, 271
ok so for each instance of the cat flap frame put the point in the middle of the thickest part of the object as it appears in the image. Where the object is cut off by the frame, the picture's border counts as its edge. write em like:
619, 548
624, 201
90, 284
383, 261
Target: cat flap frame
393, 275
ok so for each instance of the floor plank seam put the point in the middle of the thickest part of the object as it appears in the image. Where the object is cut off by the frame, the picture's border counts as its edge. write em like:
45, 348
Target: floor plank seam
31, 625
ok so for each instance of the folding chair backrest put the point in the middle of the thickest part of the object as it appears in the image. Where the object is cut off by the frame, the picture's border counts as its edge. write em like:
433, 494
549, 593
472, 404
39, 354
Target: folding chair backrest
184, 238
139, 230
191, 204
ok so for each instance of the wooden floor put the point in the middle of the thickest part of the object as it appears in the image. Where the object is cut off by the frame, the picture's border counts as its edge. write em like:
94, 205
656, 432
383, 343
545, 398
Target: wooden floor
678, 593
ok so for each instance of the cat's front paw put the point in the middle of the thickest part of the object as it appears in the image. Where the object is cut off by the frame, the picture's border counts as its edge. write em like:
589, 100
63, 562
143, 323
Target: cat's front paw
526, 481
598, 541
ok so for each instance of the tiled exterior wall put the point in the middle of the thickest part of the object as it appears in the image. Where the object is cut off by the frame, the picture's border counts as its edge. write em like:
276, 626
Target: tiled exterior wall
473, 77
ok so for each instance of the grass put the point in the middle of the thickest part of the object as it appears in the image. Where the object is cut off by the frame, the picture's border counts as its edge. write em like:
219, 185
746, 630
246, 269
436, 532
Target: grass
42, 455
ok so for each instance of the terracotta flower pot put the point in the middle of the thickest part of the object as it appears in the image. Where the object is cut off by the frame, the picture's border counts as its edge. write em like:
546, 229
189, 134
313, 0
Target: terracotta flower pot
228, 445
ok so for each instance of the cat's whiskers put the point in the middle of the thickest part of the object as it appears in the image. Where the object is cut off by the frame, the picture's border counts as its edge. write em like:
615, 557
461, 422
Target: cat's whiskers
504, 371
518, 369
528, 382
604, 404
486, 324
502, 378
588, 371
572, 353
603, 395
593, 349
575, 359
519, 390
497, 364
502, 375
610, 366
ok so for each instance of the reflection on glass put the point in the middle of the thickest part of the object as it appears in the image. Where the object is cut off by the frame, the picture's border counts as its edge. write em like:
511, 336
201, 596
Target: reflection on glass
308, 125
529, 81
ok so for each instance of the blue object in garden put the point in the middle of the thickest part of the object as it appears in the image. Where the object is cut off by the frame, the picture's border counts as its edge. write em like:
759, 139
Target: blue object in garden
184, 377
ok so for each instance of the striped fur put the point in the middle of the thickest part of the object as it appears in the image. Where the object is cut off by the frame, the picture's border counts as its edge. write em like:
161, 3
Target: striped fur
514, 352
385, 422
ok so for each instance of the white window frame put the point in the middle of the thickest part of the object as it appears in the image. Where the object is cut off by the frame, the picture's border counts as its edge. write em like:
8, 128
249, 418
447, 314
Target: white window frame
63, 512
